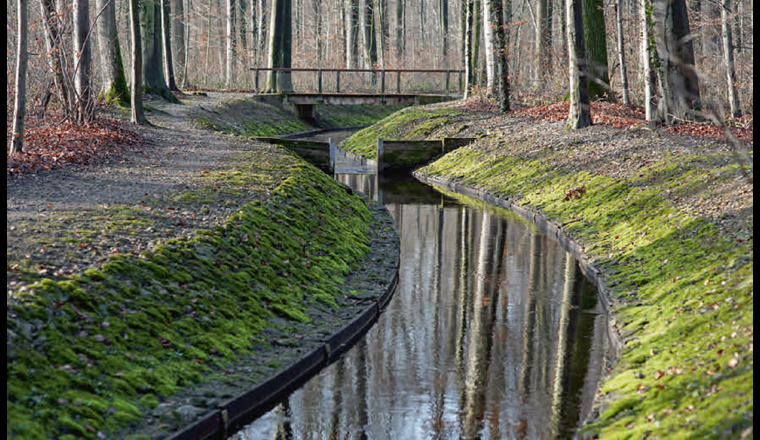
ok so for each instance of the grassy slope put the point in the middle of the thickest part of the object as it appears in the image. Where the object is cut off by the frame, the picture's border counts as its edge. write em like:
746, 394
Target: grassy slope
88, 354
682, 291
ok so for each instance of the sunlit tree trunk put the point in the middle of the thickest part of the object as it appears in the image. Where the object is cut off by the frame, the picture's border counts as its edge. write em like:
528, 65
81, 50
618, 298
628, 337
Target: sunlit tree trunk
230, 43
579, 115
22, 62
728, 54
114, 81
542, 57
469, 61
648, 50
488, 41
178, 29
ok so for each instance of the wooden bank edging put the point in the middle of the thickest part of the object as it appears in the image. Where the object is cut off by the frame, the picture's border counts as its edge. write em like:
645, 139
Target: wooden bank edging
232, 415
546, 226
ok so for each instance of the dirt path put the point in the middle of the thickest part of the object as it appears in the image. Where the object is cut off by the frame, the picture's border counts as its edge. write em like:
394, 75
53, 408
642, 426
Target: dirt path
63, 221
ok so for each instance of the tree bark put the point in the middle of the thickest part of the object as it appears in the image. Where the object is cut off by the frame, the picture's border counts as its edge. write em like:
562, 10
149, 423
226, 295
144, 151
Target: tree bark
154, 79
595, 35
230, 43
490, 50
500, 40
22, 62
648, 50
166, 40
114, 88
352, 34
82, 62
138, 117
178, 25
621, 54
469, 61
579, 115
728, 54
679, 88
280, 45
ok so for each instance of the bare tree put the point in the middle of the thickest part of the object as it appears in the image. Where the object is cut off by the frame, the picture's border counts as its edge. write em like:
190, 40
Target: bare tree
22, 59
621, 53
114, 81
166, 41
728, 54
84, 110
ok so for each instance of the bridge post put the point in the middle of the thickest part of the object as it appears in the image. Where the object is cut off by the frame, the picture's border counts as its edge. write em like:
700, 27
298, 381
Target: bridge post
256, 80
398, 82
446, 88
459, 88
319, 82
382, 86
337, 81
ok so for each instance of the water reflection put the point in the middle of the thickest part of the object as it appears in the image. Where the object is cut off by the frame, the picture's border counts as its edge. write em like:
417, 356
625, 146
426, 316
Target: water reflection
493, 332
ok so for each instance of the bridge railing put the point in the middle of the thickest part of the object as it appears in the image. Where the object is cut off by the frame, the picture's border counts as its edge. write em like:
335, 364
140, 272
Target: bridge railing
331, 80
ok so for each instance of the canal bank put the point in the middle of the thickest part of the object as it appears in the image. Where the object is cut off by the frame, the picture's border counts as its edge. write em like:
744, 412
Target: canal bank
271, 260
667, 221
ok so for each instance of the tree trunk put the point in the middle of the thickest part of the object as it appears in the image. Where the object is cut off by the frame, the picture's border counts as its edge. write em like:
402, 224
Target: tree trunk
352, 34
230, 43
595, 35
728, 54
679, 87
178, 36
138, 117
500, 41
469, 62
154, 80
488, 41
82, 62
648, 50
443, 29
621, 53
166, 40
542, 56
54, 43
400, 30
22, 62
579, 115
280, 45
114, 87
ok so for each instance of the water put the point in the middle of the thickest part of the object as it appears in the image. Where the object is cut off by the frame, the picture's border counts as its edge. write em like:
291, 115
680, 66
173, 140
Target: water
493, 332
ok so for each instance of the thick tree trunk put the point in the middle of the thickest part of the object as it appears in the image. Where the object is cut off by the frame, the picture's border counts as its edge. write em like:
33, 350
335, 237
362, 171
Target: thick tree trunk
728, 55
280, 45
178, 36
152, 59
500, 42
679, 88
543, 39
82, 62
579, 115
138, 117
352, 34
230, 43
595, 35
114, 86
19, 104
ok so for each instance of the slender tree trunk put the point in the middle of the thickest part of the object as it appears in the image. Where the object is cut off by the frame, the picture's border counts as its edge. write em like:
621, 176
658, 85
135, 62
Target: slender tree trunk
166, 40
114, 86
542, 58
728, 54
647, 51
621, 53
579, 115
488, 42
230, 43
443, 29
400, 30
138, 117
469, 62
52, 25
502, 69
83, 62
22, 62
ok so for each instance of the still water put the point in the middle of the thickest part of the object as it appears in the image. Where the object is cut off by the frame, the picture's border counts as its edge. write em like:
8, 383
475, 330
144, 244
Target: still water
493, 332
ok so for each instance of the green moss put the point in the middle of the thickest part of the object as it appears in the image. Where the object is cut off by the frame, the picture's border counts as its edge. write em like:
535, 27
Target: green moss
119, 337
682, 290
410, 123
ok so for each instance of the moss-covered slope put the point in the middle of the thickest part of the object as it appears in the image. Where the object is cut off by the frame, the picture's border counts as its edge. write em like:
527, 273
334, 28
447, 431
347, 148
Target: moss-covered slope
410, 123
682, 289
89, 354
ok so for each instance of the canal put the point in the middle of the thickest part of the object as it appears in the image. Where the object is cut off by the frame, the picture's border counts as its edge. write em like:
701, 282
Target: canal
493, 332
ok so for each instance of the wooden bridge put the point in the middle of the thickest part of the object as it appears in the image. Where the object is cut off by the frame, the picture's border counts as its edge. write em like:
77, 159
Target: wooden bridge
341, 87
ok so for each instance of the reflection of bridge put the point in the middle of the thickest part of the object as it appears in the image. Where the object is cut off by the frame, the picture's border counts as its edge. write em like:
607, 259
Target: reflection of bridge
355, 86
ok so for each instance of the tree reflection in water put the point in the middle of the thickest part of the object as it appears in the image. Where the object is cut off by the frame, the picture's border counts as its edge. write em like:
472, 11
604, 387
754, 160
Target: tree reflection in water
493, 332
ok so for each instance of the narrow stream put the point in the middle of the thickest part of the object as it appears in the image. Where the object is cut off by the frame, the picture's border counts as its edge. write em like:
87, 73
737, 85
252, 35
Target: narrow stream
493, 332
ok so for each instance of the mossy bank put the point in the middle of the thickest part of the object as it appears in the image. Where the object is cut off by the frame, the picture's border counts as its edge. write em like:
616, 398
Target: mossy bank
669, 224
92, 353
